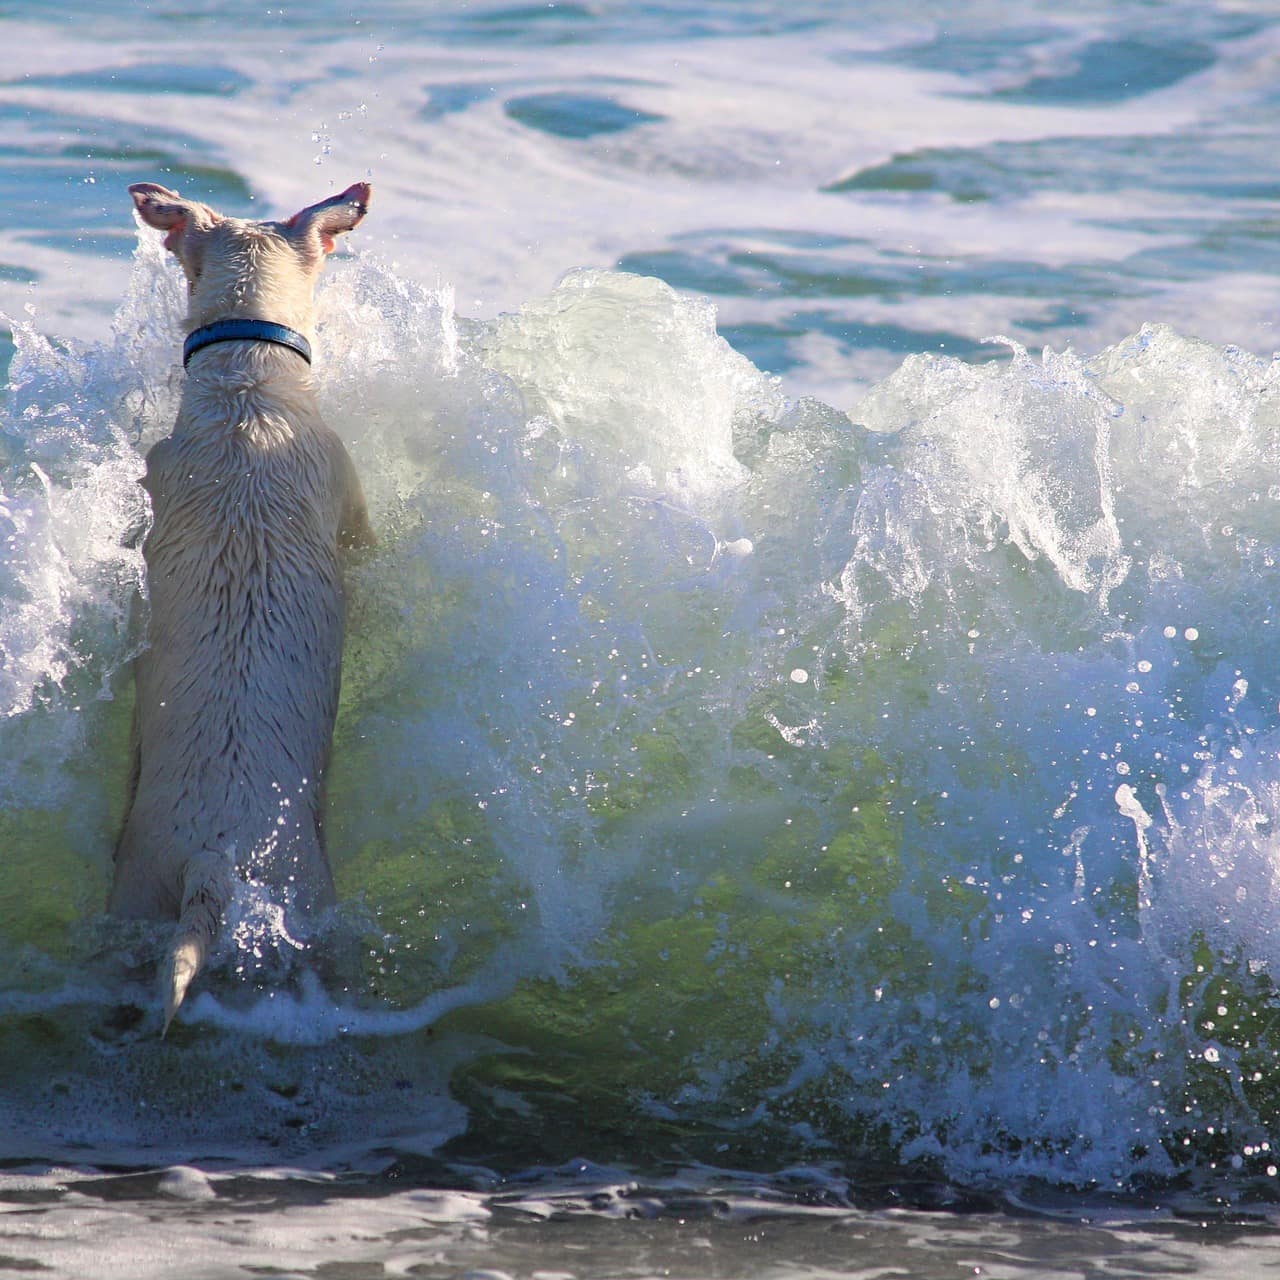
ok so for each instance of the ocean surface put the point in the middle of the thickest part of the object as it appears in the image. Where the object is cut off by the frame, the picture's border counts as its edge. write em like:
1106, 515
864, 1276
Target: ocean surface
806, 794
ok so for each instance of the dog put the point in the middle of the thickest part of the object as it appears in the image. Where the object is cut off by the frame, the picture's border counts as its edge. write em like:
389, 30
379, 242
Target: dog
254, 499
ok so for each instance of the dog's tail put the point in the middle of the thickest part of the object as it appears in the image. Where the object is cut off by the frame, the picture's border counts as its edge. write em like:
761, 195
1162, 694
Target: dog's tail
208, 882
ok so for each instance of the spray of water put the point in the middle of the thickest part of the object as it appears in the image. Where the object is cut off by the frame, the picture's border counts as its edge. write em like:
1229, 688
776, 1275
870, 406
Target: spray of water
903, 775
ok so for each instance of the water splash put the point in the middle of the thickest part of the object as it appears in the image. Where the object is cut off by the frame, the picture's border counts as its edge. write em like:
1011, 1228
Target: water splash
902, 778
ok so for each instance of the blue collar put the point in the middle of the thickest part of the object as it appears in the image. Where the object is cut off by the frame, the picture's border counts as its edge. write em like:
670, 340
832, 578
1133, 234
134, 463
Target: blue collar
244, 331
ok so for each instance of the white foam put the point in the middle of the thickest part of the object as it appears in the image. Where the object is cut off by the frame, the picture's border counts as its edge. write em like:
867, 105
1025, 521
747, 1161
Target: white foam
312, 1017
752, 130
605, 532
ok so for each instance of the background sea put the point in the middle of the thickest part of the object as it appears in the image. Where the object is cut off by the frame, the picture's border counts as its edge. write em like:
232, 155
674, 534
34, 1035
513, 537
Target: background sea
805, 795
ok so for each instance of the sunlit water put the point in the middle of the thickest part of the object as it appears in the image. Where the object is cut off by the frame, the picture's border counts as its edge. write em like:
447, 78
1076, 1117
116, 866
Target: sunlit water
810, 740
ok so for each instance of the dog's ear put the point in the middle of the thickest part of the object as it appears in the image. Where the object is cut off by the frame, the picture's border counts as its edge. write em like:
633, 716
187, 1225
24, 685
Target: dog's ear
167, 211
331, 217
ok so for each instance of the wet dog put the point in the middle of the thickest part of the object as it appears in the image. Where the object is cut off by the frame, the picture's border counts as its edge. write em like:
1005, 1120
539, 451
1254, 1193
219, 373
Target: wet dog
253, 500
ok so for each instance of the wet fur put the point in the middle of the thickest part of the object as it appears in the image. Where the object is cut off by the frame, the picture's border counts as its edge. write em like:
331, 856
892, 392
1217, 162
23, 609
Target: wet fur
253, 497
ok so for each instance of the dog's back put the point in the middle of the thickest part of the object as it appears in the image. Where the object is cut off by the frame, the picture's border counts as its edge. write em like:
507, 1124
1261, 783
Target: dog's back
252, 498
237, 693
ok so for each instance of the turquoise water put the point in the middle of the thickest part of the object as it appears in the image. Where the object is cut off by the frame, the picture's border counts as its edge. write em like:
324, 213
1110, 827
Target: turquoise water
804, 790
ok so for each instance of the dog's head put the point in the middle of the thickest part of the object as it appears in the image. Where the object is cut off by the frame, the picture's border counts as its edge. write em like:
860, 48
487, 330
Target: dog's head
237, 269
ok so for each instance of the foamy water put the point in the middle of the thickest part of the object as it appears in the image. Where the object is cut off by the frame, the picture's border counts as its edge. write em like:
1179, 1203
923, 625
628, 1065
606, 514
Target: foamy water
934, 706
851, 186
803, 714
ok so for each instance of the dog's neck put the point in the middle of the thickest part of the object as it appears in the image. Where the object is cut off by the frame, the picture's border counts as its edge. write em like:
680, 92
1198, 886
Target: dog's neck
252, 390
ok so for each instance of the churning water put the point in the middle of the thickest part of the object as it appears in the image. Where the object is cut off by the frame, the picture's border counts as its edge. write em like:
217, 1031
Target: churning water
860, 776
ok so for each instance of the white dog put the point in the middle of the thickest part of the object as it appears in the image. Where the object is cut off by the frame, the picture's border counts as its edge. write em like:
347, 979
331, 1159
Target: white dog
253, 497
